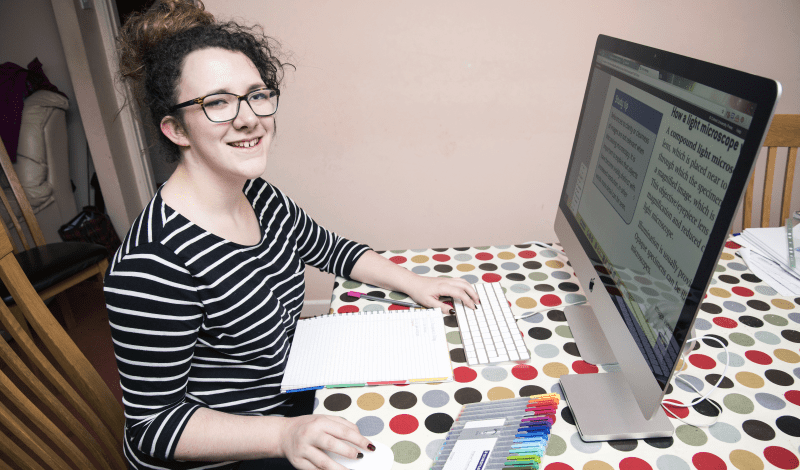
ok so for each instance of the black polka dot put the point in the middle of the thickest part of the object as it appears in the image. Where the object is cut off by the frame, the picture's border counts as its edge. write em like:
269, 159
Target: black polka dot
714, 378
710, 308
568, 287
403, 400
556, 315
442, 268
347, 298
523, 246
544, 288
705, 408
751, 321
540, 333
625, 445
516, 277
377, 293
337, 402
758, 305
714, 344
791, 335
457, 355
669, 389
530, 390
758, 430
451, 321
749, 277
566, 415
462, 248
335, 284
533, 265
789, 425
488, 266
607, 281
660, 442
439, 423
440, 250
467, 395
572, 349
779, 377
728, 279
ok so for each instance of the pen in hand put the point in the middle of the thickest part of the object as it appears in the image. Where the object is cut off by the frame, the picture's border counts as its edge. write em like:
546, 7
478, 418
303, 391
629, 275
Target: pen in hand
359, 295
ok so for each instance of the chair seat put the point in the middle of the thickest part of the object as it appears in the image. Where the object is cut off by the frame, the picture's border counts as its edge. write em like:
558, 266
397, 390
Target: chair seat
47, 265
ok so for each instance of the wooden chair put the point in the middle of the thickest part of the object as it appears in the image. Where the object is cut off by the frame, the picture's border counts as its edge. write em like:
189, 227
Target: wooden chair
783, 132
53, 268
51, 422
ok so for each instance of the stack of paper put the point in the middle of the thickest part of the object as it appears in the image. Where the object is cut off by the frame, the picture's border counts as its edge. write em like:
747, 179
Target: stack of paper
766, 252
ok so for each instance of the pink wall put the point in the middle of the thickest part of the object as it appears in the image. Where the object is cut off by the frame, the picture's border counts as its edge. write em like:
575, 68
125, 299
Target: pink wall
448, 123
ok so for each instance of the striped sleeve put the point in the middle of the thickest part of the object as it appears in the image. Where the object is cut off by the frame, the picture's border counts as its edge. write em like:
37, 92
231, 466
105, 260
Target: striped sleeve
155, 314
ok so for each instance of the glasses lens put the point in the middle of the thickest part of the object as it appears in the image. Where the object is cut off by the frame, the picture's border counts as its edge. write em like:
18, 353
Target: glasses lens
221, 107
263, 102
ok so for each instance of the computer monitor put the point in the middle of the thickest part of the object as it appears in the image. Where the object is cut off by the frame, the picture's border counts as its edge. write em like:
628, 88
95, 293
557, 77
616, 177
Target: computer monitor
663, 151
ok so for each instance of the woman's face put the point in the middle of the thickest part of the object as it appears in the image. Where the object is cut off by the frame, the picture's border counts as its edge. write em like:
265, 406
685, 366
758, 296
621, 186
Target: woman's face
234, 150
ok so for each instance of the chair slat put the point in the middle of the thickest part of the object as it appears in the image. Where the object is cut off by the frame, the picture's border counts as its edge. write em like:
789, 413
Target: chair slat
30, 439
747, 208
14, 453
788, 183
784, 131
15, 222
766, 198
22, 198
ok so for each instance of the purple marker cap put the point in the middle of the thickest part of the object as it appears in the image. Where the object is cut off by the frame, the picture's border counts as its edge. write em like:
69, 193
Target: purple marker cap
355, 294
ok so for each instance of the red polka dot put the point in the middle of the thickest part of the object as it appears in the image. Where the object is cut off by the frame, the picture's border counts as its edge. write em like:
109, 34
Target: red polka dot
347, 309
634, 463
491, 277
583, 367
464, 374
441, 258
558, 466
484, 256
678, 411
759, 357
527, 254
707, 461
403, 424
734, 246
702, 361
550, 300
398, 307
725, 322
793, 396
524, 372
781, 457
743, 291
398, 259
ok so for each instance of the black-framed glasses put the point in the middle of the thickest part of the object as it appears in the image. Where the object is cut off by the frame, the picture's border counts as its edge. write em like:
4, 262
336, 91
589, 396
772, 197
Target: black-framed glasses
224, 107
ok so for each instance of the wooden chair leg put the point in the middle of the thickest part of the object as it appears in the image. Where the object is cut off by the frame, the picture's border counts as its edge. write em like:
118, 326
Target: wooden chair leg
66, 311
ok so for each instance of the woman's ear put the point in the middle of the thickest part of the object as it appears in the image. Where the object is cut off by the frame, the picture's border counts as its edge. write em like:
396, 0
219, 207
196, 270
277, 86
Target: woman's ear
174, 131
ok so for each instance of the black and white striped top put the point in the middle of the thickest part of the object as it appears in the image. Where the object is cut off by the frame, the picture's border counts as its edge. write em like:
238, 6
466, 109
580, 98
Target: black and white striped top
198, 321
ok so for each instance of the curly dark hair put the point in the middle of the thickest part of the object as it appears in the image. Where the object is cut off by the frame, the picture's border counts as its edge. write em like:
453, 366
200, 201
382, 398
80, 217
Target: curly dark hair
153, 46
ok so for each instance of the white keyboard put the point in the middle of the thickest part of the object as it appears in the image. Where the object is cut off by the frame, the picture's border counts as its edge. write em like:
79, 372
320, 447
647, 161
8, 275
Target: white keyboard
489, 333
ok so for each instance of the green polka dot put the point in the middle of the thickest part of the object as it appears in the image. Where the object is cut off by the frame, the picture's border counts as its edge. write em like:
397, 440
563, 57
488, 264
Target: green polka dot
397, 295
738, 403
454, 337
351, 284
537, 276
719, 269
555, 446
563, 331
482, 247
406, 452
742, 339
397, 252
776, 320
691, 435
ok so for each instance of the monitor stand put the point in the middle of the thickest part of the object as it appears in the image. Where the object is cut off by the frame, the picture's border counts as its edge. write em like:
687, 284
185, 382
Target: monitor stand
602, 404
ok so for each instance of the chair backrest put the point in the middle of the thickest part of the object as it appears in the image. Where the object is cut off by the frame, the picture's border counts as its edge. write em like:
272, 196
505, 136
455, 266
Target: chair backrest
55, 423
19, 199
783, 132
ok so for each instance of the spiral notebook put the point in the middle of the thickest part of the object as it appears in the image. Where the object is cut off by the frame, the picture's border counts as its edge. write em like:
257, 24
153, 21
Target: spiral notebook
368, 348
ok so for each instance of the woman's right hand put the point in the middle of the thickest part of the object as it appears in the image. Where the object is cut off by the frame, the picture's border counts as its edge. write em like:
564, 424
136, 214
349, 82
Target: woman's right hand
305, 438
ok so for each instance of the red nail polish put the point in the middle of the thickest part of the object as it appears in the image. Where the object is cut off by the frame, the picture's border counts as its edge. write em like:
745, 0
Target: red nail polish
371, 447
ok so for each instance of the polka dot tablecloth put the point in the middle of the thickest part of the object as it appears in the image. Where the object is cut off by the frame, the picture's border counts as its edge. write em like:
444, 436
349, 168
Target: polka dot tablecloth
760, 399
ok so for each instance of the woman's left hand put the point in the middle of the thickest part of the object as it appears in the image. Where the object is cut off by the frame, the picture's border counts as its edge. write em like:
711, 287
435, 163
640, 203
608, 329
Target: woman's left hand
427, 292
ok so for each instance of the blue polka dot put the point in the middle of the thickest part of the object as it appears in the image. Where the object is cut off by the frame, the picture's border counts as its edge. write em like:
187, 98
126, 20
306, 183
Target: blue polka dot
509, 266
462, 257
503, 247
316, 403
520, 288
713, 281
433, 448
435, 398
557, 389
797, 372
535, 318
611, 367
671, 462
584, 447
737, 266
420, 269
795, 317
766, 290
698, 384
561, 275
419, 250
548, 253
373, 308
724, 432
370, 426
770, 402
767, 337
702, 325
546, 351
574, 298
734, 306
470, 278
735, 359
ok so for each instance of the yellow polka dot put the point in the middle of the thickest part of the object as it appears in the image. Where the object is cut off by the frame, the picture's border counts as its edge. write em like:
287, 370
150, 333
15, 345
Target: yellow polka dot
555, 369
681, 365
499, 393
420, 259
782, 303
370, 401
597, 465
505, 255
726, 256
750, 380
526, 302
786, 355
719, 292
744, 460
465, 268
555, 264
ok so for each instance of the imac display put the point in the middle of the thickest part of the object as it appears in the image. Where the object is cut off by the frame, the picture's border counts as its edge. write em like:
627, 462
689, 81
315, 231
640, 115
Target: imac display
663, 151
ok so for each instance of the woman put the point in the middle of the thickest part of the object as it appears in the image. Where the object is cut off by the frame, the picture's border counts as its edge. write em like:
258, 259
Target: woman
205, 292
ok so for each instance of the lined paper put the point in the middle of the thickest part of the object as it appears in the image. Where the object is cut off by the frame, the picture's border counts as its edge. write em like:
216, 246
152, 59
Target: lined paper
361, 347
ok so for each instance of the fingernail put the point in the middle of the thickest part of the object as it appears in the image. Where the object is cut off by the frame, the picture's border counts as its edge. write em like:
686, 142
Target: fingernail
452, 311
371, 447
360, 456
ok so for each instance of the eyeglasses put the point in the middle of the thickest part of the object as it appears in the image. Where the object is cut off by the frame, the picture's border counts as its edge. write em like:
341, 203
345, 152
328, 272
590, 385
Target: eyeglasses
224, 107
